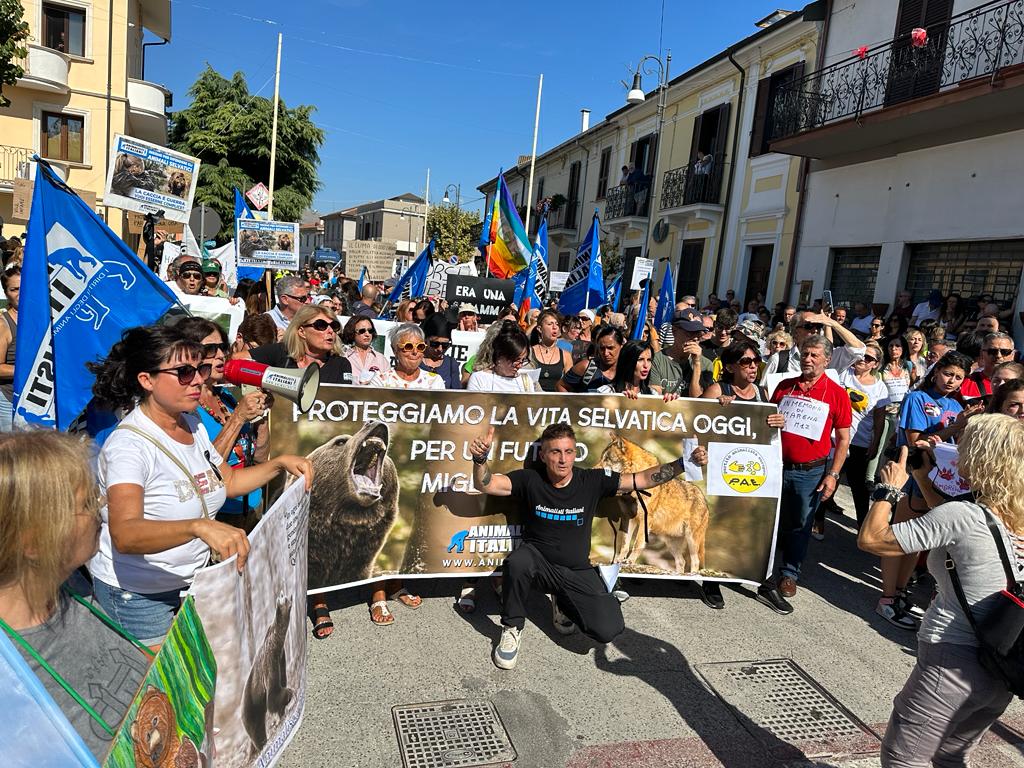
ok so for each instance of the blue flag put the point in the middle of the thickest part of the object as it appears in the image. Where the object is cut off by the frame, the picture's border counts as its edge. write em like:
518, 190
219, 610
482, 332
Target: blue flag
81, 286
612, 294
531, 283
585, 287
416, 275
243, 211
666, 299
641, 316
362, 279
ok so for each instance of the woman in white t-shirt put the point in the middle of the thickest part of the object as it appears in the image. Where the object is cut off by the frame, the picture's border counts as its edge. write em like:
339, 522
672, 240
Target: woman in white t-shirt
408, 344
164, 481
511, 352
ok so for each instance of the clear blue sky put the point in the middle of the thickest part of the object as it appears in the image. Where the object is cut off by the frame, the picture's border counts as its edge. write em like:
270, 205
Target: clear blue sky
402, 86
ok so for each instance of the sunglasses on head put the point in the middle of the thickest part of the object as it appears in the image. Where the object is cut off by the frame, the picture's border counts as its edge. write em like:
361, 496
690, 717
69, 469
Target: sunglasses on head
210, 350
410, 347
1000, 352
187, 373
302, 299
322, 325
439, 344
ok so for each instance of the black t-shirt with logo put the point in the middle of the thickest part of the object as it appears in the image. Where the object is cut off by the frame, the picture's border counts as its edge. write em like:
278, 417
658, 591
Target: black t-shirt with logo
558, 520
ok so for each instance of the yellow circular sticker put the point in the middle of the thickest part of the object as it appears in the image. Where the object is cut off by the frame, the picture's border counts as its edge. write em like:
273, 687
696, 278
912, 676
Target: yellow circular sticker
743, 470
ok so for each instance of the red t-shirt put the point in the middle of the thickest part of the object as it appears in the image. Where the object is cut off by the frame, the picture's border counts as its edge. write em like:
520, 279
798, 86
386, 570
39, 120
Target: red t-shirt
799, 449
970, 386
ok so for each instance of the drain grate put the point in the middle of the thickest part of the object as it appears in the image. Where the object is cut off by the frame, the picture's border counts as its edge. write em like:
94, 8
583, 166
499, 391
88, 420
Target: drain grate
445, 734
778, 696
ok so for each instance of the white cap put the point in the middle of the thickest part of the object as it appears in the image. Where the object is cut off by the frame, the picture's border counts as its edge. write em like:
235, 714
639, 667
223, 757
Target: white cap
587, 313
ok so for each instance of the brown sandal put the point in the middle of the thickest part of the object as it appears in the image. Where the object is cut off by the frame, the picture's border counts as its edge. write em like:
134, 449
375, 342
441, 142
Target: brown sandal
406, 599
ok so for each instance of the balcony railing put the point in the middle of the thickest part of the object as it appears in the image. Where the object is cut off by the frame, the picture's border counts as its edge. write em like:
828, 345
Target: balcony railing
627, 200
976, 43
696, 183
565, 217
15, 163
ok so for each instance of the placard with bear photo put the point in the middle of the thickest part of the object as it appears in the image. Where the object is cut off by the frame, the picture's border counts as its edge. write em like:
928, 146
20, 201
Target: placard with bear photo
148, 178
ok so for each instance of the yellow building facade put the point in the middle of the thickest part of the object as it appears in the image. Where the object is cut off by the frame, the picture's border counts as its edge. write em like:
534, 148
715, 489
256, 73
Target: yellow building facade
83, 83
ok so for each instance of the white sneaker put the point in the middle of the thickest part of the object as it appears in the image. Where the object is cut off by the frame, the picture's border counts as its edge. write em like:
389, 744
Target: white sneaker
563, 624
908, 605
507, 650
895, 615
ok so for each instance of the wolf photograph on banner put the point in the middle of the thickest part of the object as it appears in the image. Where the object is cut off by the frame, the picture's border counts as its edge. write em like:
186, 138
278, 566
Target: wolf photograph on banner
394, 495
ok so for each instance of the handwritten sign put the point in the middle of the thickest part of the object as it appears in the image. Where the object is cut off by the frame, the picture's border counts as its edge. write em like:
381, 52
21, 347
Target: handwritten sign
804, 417
946, 477
898, 388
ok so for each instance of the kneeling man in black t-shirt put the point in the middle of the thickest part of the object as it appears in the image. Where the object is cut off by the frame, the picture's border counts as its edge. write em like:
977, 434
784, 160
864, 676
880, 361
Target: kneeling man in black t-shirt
554, 554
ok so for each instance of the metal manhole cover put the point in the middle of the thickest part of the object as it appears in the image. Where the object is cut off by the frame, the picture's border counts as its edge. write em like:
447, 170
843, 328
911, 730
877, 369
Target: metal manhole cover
781, 700
445, 734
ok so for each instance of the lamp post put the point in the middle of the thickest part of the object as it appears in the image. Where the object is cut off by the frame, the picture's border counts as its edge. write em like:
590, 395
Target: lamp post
458, 193
636, 96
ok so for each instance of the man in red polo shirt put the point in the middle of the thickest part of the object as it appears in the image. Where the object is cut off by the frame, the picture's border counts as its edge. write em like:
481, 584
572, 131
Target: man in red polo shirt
995, 349
816, 410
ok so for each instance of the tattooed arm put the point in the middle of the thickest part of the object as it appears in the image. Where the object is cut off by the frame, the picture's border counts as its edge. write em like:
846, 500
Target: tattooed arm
493, 484
649, 478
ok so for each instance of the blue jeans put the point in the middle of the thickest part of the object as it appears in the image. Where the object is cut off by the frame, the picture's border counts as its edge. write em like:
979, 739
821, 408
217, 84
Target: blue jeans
147, 617
798, 501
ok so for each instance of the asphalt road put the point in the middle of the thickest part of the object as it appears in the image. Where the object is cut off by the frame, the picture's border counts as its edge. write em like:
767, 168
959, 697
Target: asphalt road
645, 699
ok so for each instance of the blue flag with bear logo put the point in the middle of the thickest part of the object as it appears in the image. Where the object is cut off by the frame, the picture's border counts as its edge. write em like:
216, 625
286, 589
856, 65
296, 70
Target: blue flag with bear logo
81, 286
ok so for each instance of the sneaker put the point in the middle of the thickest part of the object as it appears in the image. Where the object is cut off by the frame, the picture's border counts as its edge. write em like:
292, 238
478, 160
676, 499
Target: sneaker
711, 595
893, 613
621, 595
770, 596
818, 531
907, 605
507, 650
563, 624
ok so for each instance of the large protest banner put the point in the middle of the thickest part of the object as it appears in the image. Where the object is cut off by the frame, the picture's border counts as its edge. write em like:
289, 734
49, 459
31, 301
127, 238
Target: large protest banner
393, 492
255, 621
149, 178
489, 295
215, 309
267, 244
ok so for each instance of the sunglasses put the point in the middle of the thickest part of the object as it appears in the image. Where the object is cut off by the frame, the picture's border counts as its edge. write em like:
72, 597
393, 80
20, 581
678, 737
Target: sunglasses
210, 350
361, 331
301, 299
810, 327
439, 344
745, 361
190, 275
779, 345
999, 352
410, 347
187, 373
322, 325
869, 359
725, 328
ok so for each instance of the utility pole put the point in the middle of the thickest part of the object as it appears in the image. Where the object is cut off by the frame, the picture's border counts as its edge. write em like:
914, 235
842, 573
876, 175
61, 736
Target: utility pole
273, 134
533, 157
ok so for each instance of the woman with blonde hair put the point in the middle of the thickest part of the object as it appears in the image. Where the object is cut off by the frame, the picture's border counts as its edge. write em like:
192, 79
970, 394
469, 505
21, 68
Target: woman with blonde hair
404, 312
49, 527
950, 700
313, 337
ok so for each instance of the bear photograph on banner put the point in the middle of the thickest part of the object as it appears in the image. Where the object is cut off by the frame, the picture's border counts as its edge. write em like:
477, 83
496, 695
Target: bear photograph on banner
267, 244
394, 493
148, 178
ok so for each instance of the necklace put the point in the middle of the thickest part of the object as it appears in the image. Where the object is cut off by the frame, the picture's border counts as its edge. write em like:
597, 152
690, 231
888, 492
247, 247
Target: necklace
552, 358
218, 412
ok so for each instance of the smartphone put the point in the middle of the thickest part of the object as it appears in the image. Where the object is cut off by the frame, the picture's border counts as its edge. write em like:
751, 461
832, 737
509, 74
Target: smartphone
826, 303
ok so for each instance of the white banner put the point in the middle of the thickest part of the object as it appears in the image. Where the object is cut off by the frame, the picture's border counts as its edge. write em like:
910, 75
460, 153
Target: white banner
267, 244
557, 281
437, 277
149, 178
220, 311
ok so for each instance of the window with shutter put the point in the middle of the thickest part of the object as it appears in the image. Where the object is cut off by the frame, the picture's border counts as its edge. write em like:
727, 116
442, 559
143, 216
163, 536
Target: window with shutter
768, 89
915, 72
603, 171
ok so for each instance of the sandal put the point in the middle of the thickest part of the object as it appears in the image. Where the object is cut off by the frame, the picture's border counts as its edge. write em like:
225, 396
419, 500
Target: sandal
383, 616
409, 601
323, 627
467, 600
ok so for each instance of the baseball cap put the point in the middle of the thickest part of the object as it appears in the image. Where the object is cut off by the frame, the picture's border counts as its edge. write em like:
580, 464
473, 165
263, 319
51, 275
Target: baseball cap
688, 319
211, 267
752, 329
467, 309
587, 313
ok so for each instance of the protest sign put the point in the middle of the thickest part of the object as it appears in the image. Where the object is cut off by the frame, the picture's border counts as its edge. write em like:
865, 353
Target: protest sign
642, 269
393, 493
267, 244
945, 476
149, 178
136, 221
220, 311
170, 720
488, 294
771, 380
255, 621
23, 199
558, 281
378, 256
437, 277
804, 417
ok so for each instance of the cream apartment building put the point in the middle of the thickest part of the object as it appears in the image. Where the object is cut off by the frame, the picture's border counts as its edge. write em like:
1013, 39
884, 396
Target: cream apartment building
83, 82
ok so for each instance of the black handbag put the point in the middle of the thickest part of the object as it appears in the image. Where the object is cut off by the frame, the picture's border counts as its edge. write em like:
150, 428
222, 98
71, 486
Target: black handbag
1001, 645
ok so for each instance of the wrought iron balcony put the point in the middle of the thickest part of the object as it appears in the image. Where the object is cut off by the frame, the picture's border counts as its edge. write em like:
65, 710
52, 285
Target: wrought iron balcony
975, 45
565, 217
627, 200
15, 163
693, 184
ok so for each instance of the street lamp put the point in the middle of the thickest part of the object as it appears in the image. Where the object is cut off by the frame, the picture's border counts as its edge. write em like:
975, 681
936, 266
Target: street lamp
458, 193
636, 96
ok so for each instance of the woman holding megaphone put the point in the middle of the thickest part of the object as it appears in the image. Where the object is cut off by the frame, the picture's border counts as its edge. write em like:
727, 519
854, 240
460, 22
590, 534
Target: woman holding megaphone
163, 480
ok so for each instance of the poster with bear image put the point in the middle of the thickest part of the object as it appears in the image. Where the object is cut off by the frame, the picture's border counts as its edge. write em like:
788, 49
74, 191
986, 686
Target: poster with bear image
148, 178
255, 621
394, 495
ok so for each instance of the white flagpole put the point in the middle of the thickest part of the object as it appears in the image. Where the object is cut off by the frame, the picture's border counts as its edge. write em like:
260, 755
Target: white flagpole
533, 156
273, 130
426, 212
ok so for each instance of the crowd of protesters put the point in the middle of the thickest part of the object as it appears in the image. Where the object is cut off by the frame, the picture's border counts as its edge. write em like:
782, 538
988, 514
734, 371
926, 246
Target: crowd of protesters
923, 374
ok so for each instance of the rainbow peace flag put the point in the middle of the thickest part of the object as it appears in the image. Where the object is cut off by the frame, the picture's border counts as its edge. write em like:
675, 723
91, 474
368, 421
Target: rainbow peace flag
503, 241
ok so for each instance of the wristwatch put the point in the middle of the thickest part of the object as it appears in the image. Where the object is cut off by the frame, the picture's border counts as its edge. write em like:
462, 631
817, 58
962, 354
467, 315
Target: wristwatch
834, 475
889, 494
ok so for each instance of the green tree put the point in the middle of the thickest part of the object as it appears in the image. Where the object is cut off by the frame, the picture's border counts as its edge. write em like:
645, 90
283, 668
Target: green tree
457, 231
230, 130
13, 34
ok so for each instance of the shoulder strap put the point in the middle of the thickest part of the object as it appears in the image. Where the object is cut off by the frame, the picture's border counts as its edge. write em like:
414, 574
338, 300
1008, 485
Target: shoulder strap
783, 366
959, 590
174, 459
996, 530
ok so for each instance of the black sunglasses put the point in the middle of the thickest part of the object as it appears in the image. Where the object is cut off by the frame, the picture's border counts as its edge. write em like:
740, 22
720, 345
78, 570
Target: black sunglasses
303, 299
810, 326
371, 330
869, 359
439, 344
190, 275
1001, 352
209, 350
322, 325
187, 373
727, 328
